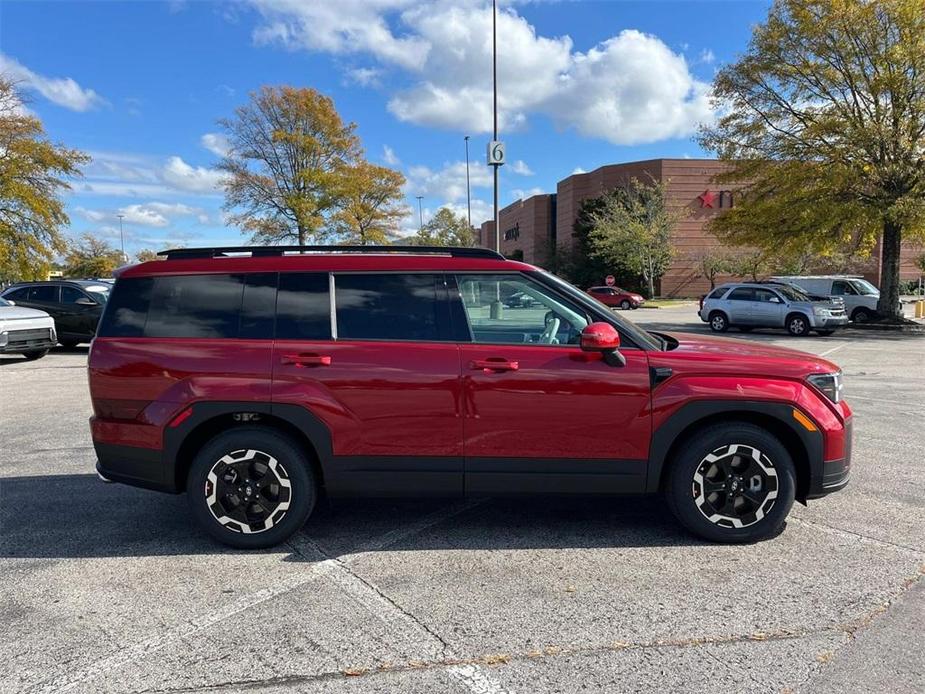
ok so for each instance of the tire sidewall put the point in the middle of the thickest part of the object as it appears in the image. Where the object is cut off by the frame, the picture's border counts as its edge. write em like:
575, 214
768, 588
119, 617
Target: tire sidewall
722, 315
278, 445
795, 316
679, 491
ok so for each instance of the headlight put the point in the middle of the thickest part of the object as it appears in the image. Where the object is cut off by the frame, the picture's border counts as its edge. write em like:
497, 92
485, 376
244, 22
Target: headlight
820, 311
4, 338
829, 385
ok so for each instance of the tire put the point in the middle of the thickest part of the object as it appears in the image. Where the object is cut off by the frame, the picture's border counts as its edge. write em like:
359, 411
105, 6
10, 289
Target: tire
740, 457
35, 354
825, 333
625, 305
719, 323
861, 315
289, 488
68, 344
798, 325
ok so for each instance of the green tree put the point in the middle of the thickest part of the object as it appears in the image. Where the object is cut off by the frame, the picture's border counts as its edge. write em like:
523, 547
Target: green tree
715, 262
632, 230
582, 267
146, 254
446, 228
289, 151
370, 204
90, 256
823, 117
33, 174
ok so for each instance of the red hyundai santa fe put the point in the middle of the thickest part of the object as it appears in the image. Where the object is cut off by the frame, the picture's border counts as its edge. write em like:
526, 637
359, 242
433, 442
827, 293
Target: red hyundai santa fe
258, 379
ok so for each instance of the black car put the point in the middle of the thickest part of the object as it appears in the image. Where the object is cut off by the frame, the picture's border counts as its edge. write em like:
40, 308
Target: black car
75, 305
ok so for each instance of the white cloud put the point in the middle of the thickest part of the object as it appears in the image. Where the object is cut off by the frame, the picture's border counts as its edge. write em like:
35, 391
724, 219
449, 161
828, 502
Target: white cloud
365, 76
578, 170
448, 183
521, 194
342, 27
707, 56
520, 167
217, 143
62, 91
481, 210
150, 214
389, 156
630, 89
193, 179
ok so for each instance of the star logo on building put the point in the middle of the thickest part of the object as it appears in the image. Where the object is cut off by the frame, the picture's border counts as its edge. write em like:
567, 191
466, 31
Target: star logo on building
707, 198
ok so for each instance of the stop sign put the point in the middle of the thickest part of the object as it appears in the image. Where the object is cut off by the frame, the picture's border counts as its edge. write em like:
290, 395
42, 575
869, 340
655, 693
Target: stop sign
610, 280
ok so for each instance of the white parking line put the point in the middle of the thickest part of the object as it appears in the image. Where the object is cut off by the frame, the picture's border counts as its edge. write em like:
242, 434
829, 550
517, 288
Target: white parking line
476, 680
142, 649
834, 349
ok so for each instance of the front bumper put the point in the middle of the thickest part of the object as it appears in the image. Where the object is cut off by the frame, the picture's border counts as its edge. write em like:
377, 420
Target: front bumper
30, 340
835, 473
830, 322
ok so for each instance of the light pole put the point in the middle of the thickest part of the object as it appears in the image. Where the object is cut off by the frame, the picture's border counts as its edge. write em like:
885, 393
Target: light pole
420, 213
468, 192
494, 89
122, 237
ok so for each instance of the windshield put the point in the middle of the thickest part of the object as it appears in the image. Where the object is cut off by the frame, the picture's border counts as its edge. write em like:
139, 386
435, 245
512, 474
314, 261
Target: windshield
792, 293
865, 288
641, 337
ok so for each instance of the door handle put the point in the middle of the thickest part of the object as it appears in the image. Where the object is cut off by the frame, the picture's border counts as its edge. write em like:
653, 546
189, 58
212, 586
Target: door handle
494, 364
306, 359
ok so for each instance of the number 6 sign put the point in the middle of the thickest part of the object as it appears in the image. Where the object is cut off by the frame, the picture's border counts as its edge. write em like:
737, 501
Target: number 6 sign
495, 153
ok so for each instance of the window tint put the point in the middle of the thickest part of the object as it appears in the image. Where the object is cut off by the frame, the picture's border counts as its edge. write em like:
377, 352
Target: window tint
44, 292
546, 318
766, 296
742, 294
389, 307
207, 306
303, 306
258, 306
70, 295
717, 293
127, 309
18, 294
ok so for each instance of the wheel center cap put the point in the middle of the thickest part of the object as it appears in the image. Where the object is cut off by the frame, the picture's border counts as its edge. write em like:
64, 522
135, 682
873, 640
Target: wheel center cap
734, 485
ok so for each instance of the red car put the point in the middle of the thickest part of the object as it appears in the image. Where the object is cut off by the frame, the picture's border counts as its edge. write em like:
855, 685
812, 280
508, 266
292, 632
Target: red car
259, 379
616, 297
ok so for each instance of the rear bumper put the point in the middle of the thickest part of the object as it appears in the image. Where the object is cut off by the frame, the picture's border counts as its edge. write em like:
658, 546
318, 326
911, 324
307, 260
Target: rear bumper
138, 467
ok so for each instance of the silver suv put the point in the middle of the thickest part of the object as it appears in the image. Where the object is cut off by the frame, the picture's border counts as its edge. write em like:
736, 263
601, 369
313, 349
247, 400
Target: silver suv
772, 305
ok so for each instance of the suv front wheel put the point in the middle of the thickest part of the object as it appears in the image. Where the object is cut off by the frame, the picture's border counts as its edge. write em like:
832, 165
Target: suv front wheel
732, 483
251, 487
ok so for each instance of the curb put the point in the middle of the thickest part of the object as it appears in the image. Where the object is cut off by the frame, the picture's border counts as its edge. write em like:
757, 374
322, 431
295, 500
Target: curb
885, 327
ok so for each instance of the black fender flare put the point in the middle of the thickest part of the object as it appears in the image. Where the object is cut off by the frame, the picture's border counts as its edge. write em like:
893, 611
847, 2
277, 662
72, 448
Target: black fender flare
688, 415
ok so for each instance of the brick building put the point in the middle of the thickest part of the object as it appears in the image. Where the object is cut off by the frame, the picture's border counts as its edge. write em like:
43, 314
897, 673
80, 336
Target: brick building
533, 226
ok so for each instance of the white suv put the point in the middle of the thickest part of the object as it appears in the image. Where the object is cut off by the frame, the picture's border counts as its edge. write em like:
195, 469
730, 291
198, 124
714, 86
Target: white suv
860, 296
25, 331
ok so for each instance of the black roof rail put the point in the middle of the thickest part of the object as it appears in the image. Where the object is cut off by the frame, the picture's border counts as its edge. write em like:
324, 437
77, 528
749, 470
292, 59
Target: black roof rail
263, 251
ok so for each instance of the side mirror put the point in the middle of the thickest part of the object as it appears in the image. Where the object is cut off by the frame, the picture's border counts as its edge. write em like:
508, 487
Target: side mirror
11, 302
600, 337
84, 301
775, 300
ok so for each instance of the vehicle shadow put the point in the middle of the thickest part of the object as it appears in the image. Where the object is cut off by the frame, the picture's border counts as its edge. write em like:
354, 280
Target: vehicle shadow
78, 516
60, 350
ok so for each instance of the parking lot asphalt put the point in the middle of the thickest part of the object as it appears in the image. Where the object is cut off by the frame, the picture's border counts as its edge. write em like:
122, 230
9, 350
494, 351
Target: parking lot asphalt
104, 588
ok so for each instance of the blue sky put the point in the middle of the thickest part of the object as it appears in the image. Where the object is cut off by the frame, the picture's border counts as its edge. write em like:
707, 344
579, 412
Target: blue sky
140, 85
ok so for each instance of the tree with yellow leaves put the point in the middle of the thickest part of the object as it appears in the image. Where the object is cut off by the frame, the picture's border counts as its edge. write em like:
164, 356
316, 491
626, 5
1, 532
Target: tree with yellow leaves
369, 204
823, 119
33, 174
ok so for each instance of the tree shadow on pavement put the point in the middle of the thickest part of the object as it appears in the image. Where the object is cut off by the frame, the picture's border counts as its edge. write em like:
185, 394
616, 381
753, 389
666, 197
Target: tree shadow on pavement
76, 516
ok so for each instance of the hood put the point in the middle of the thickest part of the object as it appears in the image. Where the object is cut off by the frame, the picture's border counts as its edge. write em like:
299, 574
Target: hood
724, 355
20, 313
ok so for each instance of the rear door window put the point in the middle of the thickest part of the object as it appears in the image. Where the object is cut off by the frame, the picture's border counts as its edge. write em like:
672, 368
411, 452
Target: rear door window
303, 306
391, 307
47, 293
742, 294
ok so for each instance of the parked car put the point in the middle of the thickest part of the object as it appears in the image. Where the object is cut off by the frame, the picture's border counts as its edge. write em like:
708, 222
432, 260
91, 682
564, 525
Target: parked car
617, 298
258, 380
25, 331
859, 295
756, 305
75, 305
519, 300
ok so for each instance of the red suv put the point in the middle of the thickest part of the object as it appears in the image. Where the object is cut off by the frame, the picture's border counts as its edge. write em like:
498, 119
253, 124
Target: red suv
617, 298
258, 379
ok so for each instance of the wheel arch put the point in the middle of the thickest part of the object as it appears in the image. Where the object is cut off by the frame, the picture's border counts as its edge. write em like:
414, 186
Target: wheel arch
799, 314
804, 447
210, 419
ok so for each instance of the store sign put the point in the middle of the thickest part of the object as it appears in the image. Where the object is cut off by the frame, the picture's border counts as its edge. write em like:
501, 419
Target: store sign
513, 233
714, 200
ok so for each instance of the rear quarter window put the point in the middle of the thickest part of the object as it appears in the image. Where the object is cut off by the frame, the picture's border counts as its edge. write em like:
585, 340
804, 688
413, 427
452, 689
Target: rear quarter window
127, 310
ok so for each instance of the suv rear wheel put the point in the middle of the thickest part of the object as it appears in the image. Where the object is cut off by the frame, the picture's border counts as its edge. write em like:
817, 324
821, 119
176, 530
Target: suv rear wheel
251, 487
732, 483
718, 322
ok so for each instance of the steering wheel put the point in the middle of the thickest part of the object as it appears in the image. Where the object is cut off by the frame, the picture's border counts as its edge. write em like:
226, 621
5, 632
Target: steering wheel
552, 328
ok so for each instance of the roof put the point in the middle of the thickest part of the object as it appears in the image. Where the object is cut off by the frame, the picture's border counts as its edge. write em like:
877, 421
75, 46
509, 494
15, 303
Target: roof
324, 259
